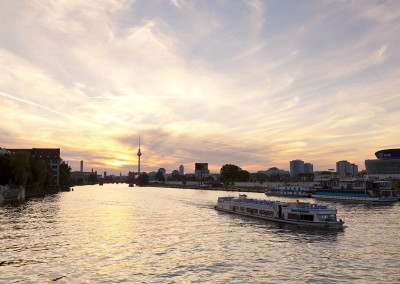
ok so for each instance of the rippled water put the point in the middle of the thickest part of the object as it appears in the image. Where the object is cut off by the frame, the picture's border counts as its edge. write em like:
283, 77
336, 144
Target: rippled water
115, 233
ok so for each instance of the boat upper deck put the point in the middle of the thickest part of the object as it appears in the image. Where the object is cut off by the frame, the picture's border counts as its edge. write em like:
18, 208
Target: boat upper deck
298, 205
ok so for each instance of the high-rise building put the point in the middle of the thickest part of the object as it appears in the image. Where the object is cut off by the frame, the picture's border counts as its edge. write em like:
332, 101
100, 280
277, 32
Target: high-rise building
181, 170
308, 168
200, 170
296, 168
344, 168
81, 166
353, 169
341, 168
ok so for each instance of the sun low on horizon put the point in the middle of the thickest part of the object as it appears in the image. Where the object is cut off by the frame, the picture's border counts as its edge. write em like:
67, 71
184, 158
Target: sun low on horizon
251, 83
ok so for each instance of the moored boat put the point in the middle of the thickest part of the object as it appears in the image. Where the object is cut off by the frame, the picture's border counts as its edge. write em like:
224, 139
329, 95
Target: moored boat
304, 214
356, 191
288, 191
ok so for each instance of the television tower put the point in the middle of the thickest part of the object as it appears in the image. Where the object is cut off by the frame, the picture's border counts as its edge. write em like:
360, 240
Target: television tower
139, 154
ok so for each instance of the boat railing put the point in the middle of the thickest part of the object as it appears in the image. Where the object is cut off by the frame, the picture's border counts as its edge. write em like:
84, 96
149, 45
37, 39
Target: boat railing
312, 206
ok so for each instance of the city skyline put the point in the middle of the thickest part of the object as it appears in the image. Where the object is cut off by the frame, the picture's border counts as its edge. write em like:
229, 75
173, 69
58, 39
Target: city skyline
251, 83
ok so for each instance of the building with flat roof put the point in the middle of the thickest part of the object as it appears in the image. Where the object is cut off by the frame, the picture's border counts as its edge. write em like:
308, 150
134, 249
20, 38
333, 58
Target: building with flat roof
50, 156
181, 170
346, 169
296, 168
308, 168
201, 170
386, 165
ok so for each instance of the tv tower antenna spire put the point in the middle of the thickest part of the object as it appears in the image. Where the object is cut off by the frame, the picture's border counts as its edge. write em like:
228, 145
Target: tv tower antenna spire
139, 154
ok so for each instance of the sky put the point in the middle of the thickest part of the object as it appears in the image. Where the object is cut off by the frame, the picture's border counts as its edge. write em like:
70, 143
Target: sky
251, 83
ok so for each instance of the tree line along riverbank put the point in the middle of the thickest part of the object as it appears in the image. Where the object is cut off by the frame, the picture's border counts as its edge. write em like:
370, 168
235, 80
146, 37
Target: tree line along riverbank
34, 175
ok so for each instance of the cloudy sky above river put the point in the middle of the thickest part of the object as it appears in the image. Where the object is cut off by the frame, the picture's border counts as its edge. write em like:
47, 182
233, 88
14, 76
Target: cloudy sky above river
252, 83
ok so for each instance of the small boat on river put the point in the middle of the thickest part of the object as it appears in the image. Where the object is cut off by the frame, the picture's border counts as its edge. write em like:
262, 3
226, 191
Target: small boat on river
299, 213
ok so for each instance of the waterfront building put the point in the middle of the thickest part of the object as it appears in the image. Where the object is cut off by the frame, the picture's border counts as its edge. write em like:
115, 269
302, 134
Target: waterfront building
354, 169
81, 166
387, 164
50, 156
274, 172
201, 170
79, 177
181, 170
308, 168
345, 169
296, 168
324, 175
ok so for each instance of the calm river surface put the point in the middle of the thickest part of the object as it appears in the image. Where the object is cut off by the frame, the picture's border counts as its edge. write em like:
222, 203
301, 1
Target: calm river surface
113, 233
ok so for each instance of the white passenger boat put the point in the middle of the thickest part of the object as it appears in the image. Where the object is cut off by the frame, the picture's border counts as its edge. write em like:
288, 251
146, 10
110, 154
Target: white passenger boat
288, 191
293, 213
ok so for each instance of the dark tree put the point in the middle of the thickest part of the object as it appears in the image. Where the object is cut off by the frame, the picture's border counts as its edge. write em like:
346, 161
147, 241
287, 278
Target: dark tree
261, 177
5, 170
40, 176
229, 173
65, 174
143, 179
19, 165
92, 178
160, 177
243, 176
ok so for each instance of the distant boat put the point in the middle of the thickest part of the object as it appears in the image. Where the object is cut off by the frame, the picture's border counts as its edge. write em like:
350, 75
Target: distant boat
100, 183
304, 214
131, 185
288, 191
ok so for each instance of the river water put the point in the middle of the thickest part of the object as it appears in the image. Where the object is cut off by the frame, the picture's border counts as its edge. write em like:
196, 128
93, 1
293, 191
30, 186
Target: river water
113, 233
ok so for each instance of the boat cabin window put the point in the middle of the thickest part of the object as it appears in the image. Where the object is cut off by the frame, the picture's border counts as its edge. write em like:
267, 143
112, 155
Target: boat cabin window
251, 211
327, 217
266, 213
302, 217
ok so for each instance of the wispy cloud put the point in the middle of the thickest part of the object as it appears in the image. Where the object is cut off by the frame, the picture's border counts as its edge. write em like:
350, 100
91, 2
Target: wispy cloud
256, 83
